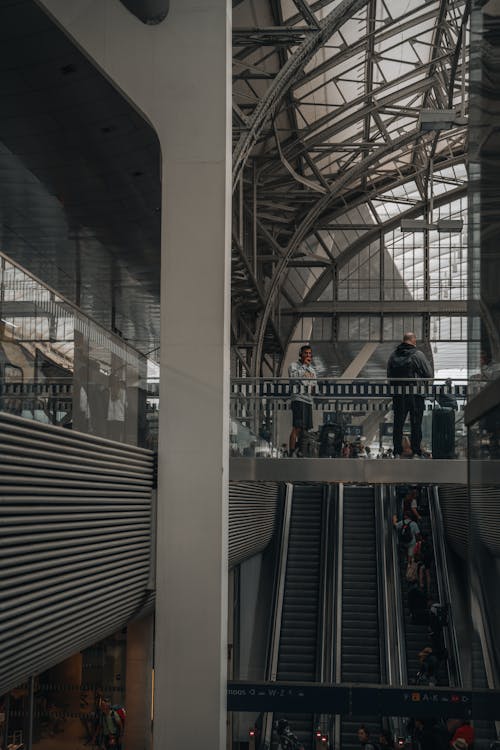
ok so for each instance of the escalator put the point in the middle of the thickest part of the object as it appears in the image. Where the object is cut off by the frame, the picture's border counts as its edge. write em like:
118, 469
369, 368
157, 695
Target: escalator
416, 635
475, 630
360, 658
301, 617
485, 731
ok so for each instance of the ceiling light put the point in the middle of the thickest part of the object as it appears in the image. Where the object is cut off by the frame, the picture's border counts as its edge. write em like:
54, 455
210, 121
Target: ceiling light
439, 119
450, 225
421, 225
415, 225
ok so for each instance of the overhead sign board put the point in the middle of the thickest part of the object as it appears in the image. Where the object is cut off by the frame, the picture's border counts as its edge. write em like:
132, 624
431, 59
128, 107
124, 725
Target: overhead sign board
357, 700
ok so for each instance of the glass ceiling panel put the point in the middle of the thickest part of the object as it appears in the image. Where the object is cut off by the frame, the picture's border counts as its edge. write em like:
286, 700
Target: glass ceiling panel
358, 96
341, 76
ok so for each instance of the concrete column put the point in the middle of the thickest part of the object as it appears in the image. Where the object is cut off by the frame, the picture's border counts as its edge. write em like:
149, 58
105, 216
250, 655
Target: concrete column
178, 75
139, 684
191, 602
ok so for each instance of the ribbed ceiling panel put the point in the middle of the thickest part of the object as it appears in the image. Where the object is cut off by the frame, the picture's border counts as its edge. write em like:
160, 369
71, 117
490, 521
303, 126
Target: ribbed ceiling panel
75, 542
253, 508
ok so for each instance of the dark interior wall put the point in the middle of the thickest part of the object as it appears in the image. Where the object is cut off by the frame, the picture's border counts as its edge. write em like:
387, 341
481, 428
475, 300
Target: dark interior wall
80, 185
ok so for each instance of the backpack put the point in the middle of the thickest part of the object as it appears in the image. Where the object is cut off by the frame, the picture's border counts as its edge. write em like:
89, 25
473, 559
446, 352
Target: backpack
439, 612
330, 440
308, 444
405, 534
412, 572
119, 711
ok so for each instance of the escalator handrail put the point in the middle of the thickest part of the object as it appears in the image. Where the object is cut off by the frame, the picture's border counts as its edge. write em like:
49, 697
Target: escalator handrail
386, 604
272, 662
443, 586
393, 603
337, 661
323, 586
395, 572
329, 595
383, 597
482, 626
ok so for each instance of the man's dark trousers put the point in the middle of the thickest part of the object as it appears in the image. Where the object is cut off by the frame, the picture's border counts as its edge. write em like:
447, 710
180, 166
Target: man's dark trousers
414, 406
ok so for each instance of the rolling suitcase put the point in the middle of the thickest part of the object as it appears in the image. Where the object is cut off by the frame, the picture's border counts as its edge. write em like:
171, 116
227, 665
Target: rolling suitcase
330, 440
308, 444
443, 433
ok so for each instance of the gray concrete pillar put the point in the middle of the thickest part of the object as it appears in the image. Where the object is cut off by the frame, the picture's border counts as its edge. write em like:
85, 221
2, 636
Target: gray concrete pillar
191, 604
139, 684
178, 75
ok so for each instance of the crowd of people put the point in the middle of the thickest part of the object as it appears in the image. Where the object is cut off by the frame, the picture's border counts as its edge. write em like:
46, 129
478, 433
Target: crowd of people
417, 551
422, 734
419, 734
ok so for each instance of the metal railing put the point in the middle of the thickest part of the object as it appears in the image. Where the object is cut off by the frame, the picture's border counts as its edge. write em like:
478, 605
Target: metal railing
274, 641
261, 417
443, 586
91, 407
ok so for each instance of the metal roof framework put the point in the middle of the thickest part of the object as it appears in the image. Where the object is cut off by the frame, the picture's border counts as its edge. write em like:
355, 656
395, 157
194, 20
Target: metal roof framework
329, 155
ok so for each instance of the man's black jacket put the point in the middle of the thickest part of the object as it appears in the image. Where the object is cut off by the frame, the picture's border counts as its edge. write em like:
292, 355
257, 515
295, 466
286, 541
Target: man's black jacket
408, 362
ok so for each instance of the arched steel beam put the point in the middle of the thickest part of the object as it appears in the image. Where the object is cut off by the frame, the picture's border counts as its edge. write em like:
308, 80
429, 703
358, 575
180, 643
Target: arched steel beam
360, 244
368, 237
286, 77
456, 54
395, 27
310, 139
380, 188
308, 221
363, 242
291, 148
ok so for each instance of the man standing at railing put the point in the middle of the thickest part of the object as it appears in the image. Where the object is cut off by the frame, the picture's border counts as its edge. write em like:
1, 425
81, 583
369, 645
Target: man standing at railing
302, 403
406, 365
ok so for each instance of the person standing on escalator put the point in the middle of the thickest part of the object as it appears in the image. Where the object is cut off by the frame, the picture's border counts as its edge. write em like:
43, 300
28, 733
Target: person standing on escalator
301, 373
408, 534
405, 367
463, 735
364, 739
287, 739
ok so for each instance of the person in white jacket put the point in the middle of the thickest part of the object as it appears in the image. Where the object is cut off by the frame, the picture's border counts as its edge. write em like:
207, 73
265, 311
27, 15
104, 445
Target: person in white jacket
301, 372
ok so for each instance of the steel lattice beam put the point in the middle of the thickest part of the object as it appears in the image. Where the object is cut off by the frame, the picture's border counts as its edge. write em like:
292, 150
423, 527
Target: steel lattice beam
287, 76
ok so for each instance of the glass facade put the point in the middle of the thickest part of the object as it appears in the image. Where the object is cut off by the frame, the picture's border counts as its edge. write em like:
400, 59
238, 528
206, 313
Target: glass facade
58, 366
63, 706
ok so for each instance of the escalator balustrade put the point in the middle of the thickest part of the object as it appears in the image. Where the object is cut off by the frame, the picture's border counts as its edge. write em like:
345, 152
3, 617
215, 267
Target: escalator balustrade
301, 616
360, 659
